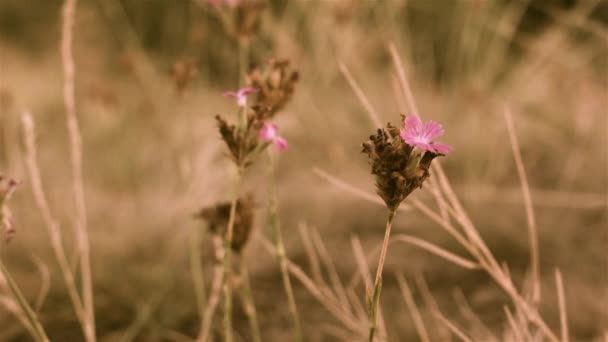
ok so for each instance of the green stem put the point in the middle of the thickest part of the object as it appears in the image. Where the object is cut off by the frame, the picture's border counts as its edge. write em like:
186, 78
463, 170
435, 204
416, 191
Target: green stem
375, 298
38, 332
228, 260
280, 247
249, 304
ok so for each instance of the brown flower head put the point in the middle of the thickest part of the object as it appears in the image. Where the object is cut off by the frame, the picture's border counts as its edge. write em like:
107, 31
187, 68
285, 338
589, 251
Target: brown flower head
217, 218
399, 168
247, 18
243, 143
7, 187
241, 18
275, 83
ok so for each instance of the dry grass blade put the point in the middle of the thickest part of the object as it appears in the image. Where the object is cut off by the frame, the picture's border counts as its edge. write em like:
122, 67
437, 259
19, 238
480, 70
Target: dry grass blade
413, 308
352, 189
82, 238
561, 297
45, 283
453, 328
362, 265
373, 115
467, 312
9, 305
405, 86
331, 269
313, 259
431, 303
328, 302
438, 251
365, 273
31, 161
525, 187
514, 327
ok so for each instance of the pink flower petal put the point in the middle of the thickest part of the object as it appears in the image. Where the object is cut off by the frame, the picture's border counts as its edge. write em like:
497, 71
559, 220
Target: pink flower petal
268, 132
230, 94
413, 125
245, 91
432, 130
280, 143
442, 148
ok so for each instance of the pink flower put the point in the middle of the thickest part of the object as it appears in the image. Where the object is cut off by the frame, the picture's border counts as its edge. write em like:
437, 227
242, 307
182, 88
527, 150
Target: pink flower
417, 135
269, 133
240, 95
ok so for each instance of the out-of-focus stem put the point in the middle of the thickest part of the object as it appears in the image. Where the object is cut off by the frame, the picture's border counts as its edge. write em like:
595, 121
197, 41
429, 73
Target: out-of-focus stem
280, 248
31, 162
228, 260
249, 304
38, 332
198, 279
82, 236
375, 297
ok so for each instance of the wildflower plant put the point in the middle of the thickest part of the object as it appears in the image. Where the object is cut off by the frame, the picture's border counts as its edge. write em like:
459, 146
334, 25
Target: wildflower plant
246, 139
400, 159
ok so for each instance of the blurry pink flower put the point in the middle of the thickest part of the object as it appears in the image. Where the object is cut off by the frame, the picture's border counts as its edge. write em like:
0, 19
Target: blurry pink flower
417, 135
240, 95
269, 133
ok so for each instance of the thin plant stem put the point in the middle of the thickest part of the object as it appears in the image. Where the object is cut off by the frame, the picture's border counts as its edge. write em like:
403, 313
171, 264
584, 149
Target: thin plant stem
532, 230
280, 248
228, 259
249, 304
561, 297
54, 231
375, 298
82, 237
216, 288
196, 270
38, 332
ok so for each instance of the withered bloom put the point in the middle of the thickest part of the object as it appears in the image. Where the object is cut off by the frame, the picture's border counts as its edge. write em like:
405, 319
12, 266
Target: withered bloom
399, 168
247, 18
275, 83
217, 218
7, 187
183, 72
243, 143
242, 18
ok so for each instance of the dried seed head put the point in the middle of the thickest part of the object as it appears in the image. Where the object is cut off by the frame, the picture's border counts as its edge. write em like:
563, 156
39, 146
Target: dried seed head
242, 143
247, 18
7, 188
217, 217
183, 72
275, 83
398, 167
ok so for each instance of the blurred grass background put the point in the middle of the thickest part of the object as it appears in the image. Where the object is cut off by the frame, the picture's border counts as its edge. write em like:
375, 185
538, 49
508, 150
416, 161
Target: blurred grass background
152, 156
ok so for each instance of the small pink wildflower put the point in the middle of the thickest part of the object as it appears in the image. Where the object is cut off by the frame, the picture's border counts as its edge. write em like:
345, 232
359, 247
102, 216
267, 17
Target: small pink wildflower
418, 135
269, 133
240, 95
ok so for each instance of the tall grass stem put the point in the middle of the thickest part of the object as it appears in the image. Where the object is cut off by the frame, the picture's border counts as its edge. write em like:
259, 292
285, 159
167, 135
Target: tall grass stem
280, 248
